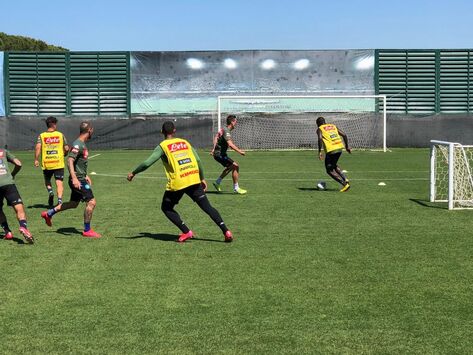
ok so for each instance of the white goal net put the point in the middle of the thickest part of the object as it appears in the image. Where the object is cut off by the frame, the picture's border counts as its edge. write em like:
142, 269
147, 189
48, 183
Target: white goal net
451, 180
289, 122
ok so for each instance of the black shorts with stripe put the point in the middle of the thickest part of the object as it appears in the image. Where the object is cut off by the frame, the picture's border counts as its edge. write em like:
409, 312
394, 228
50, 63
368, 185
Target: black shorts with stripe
11, 194
331, 160
195, 192
225, 160
57, 173
83, 194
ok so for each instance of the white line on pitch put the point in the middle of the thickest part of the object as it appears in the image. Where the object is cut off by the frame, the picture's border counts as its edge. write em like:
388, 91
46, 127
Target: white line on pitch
96, 155
256, 179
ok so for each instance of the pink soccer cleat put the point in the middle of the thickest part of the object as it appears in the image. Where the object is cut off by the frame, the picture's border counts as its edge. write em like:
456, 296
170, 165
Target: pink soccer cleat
46, 218
91, 234
184, 236
228, 237
8, 236
27, 235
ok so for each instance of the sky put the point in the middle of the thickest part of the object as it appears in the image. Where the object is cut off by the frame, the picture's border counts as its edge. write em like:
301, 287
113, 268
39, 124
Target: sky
186, 25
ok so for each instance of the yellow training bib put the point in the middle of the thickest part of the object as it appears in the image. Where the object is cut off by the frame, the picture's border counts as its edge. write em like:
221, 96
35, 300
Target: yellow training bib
330, 137
52, 150
181, 166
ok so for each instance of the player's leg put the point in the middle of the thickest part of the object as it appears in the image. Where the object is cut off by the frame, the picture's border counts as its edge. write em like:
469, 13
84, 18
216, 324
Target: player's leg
59, 177
331, 167
236, 175
196, 192
334, 171
342, 174
47, 182
3, 222
171, 199
76, 197
88, 213
222, 159
13, 198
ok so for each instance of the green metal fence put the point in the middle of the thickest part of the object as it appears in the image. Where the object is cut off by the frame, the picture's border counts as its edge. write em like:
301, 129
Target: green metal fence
68, 83
425, 81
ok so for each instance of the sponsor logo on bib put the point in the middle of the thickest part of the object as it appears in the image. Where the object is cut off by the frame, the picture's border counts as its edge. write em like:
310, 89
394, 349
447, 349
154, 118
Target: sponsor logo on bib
175, 147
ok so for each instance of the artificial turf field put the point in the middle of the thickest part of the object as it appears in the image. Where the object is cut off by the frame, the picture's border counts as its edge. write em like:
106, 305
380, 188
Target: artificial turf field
375, 270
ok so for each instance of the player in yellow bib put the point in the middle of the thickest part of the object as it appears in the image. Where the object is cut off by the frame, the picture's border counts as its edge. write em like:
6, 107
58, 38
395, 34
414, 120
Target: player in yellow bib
52, 146
185, 176
333, 140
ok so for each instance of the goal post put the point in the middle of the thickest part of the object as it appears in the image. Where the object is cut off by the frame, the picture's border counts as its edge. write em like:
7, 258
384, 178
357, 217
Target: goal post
289, 122
451, 179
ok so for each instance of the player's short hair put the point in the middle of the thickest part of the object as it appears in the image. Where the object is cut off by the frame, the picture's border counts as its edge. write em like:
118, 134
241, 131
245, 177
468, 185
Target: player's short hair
84, 127
320, 121
51, 120
230, 119
168, 128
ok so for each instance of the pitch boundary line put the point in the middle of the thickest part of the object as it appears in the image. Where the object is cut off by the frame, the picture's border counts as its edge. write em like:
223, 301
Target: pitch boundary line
277, 179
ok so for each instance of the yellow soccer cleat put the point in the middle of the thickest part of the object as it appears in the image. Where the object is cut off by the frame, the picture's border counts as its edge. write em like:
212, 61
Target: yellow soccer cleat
240, 191
217, 187
345, 188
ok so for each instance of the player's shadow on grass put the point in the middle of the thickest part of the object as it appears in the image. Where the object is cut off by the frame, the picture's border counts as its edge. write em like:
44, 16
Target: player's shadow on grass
313, 189
168, 237
425, 203
158, 236
68, 231
219, 193
38, 205
15, 239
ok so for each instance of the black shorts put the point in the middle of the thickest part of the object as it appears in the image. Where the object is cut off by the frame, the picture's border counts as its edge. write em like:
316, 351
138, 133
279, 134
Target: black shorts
58, 174
195, 192
225, 160
331, 160
11, 194
83, 194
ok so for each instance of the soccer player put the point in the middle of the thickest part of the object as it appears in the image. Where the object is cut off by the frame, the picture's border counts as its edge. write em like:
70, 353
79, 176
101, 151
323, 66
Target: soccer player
79, 182
185, 176
9, 192
223, 140
330, 137
52, 146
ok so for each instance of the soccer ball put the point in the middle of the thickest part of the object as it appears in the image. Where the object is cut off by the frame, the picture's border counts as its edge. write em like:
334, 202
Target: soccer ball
321, 185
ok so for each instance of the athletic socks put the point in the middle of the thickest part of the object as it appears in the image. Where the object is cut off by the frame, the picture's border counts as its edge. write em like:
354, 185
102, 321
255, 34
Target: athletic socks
51, 212
218, 181
59, 200
50, 191
86, 227
23, 223
235, 187
223, 227
5, 227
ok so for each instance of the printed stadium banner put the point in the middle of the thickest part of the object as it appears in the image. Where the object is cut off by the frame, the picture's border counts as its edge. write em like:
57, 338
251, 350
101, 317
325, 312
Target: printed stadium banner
2, 91
189, 82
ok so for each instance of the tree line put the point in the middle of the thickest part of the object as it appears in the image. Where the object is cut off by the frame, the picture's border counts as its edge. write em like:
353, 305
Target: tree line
21, 43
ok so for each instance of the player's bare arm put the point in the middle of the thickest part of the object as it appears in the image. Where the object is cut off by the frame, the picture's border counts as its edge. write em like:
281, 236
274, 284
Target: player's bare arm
345, 140
214, 144
235, 148
320, 144
37, 152
17, 167
72, 173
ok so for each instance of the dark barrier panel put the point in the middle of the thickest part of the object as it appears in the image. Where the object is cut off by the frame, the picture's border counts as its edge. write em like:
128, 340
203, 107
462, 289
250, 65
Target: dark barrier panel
21, 133
410, 131
402, 131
